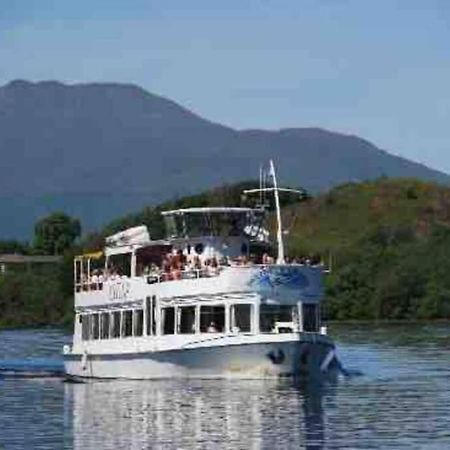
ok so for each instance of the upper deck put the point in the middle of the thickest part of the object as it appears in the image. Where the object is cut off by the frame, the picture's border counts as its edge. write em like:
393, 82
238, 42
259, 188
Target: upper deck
287, 284
207, 251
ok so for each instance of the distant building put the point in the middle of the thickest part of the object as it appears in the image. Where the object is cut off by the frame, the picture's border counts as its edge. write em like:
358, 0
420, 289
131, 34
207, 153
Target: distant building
8, 261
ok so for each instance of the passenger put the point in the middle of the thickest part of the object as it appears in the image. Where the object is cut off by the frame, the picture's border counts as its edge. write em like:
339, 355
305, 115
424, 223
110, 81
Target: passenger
190, 264
197, 263
238, 261
114, 273
212, 328
154, 269
269, 259
177, 265
166, 268
214, 266
101, 279
177, 260
94, 280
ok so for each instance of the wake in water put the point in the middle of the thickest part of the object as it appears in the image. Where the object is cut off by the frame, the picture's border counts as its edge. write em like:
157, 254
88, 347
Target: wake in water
34, 368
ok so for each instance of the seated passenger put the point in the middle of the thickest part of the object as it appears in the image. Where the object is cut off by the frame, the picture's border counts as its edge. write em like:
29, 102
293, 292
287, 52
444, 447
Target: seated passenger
197, 263
94, 280
214, 267
212, 328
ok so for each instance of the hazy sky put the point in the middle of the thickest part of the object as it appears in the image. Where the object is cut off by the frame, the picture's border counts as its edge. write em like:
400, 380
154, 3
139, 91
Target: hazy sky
376, 68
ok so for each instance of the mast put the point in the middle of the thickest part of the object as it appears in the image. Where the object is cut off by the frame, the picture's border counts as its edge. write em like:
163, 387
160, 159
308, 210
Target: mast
280, 257
275, 189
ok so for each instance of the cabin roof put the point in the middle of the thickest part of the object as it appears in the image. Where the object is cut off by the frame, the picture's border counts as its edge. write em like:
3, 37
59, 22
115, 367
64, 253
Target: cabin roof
210, 209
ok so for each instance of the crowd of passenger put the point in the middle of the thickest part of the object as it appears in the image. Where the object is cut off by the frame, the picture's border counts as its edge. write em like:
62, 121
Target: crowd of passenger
177, 266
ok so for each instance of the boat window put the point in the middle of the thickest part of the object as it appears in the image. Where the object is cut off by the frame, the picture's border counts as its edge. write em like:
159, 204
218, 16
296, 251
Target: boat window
168, 320
104, 325
241, 318
138, 322
226, 223
127, 323
115, 330
148, 316
148, 259
154, 315
310, 317
277, 318
119, 265
85, 326
212, 319
95, 328
186, 320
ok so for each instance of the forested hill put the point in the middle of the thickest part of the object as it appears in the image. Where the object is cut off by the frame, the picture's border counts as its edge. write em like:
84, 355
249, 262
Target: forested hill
387, 242
100, 150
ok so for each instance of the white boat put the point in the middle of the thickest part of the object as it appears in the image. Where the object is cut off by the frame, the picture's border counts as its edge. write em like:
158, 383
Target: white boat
205, 302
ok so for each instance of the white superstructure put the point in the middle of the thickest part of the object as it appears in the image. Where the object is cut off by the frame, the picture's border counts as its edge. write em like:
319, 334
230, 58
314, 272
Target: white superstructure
207, 301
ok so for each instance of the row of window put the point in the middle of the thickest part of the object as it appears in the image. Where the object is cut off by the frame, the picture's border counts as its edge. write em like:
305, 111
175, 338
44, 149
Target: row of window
110, 325
191, 320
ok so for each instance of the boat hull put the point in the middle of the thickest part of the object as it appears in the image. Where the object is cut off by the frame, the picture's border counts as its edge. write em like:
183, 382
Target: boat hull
252, 360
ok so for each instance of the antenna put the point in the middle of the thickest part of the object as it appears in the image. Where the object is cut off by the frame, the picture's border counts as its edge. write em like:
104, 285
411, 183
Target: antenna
275, 189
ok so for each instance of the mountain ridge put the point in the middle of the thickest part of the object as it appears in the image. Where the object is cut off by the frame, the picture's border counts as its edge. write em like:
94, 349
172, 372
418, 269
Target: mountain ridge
131, 147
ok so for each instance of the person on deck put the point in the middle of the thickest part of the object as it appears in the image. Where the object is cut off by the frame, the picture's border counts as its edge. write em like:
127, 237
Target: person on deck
212, 328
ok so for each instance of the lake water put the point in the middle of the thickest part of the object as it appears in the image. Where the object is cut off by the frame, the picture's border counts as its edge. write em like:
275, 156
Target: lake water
401, 399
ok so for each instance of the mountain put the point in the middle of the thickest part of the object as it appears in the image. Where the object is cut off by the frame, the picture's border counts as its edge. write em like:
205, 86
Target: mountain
100, 150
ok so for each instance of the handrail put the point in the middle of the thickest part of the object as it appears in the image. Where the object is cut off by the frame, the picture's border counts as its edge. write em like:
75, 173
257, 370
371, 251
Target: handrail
189, 274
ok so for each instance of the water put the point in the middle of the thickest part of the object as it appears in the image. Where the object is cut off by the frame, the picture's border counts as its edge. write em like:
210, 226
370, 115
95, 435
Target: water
401, 400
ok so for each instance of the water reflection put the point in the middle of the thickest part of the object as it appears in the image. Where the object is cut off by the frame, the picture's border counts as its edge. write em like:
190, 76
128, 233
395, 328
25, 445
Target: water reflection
195, 414
401, 401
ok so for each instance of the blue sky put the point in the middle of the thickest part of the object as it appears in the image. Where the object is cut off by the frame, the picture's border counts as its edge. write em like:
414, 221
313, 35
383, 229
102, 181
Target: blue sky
376, 68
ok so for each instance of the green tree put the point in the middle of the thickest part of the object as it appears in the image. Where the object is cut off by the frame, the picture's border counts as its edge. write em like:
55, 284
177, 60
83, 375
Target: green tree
56, 233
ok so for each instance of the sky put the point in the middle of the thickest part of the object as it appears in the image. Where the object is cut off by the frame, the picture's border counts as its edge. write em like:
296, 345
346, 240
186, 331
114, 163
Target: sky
379, 69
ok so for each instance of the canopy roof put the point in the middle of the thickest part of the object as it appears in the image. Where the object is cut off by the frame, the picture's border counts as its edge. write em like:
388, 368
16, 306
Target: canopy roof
92, 255
210, 209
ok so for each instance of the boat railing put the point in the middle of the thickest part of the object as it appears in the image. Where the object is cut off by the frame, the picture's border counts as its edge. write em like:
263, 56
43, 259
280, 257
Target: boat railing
96, 283
189, 274
152, 278
88, 285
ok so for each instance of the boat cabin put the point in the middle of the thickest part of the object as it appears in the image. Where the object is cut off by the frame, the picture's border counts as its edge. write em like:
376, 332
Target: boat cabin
215, 232
201, 243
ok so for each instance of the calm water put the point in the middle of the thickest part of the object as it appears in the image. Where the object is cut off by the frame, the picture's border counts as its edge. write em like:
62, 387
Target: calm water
401, 400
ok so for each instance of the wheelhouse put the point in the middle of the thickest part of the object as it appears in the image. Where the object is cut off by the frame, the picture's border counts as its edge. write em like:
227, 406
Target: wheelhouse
215, 232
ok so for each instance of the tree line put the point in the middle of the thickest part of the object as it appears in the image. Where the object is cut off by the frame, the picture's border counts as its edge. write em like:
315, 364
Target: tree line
387, 243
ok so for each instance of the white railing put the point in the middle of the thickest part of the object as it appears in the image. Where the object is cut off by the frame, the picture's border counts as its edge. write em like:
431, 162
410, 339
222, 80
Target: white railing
190, 274
175, 275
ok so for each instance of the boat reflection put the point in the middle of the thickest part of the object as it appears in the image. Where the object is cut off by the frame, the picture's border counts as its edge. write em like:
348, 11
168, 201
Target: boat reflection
196, 414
